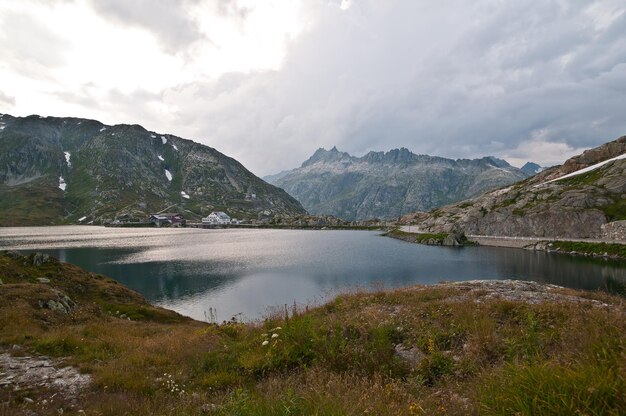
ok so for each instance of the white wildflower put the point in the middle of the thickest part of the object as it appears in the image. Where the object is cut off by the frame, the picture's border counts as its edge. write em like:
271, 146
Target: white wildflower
265, 342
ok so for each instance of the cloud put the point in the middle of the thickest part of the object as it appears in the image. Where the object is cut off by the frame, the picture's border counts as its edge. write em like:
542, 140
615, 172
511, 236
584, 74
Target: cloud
456, 80
269, 82
169, 20
7, 99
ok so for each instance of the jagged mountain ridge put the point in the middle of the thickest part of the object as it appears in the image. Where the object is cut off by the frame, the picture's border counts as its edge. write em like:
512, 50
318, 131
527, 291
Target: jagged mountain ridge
111, 171
389, 184
576, 206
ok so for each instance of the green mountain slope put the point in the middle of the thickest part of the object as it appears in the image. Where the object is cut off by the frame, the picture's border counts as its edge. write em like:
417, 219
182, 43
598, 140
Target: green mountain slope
122, 170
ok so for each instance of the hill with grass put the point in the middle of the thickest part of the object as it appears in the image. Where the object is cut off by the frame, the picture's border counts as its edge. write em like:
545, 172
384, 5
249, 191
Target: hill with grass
389, 184
73, 342
71, 170
583, 198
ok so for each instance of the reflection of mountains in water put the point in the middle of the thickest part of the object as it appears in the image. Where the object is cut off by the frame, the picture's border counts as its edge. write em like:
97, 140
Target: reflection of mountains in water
154, 280
169, 281
575, 272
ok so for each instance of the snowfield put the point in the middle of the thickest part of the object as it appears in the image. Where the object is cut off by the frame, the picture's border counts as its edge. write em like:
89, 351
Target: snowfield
588, 168
168, 175
62, 184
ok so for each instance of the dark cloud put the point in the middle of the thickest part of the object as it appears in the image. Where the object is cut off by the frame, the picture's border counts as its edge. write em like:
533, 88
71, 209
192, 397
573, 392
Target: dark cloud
523, 79
455, 79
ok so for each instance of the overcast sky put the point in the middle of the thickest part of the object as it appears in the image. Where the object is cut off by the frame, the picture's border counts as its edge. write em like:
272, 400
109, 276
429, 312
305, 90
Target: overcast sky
268, 82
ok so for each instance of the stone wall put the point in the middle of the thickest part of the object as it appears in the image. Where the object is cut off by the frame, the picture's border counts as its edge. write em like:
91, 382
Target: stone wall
615, 230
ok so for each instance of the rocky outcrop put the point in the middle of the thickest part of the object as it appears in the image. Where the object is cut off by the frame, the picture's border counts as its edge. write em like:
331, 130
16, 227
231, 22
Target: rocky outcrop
389, 184
40, 372
615, 230
71, 170
580, 206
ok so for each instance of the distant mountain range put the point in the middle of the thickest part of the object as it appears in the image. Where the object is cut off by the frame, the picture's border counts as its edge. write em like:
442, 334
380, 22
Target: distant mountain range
531, 168
583, 198
71, 170
389, 184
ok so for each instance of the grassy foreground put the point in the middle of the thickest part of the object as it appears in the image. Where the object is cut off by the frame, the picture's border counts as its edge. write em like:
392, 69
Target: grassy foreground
448, 349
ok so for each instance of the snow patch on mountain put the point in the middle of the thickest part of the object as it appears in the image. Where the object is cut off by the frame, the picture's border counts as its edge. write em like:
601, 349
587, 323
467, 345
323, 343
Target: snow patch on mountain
588, 168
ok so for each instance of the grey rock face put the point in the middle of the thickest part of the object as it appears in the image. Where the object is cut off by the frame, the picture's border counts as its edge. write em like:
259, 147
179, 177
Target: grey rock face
389, 184
576, 207
62, 303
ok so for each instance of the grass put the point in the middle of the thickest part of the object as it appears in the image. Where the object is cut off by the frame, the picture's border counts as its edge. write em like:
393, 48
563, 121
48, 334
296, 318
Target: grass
421, 238
491, 357
615, 211
599, 249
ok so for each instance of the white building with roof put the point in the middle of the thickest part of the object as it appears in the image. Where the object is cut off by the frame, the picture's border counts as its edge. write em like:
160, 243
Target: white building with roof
216, 218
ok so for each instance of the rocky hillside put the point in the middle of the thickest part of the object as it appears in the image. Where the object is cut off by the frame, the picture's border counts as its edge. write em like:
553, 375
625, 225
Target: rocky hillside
389, 184
68, 170
583, 198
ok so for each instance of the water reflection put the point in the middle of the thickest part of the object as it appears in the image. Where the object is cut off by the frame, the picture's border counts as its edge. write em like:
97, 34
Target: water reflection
246, 271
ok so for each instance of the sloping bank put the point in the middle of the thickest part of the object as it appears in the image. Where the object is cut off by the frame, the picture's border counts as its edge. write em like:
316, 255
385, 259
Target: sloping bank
483, 347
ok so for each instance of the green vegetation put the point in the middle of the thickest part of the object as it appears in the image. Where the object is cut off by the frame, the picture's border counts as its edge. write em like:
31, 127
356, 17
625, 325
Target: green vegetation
615, 211
591, 248
417, 351
421, 238
589, 178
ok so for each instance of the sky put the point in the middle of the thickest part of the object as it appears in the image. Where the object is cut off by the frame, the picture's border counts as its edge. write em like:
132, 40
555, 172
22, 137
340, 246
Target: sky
268, 82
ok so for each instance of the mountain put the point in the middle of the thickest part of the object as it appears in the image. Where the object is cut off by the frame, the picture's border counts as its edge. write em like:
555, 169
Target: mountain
389, 184
68, 170
583, 198
531, 168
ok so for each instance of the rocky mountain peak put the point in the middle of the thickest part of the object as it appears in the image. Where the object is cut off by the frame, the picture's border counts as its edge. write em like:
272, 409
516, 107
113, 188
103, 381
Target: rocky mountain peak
389, 184
71, 170
531, 168
326, 156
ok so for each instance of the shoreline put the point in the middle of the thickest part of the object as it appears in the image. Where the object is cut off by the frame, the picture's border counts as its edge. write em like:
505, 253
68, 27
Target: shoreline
596, 248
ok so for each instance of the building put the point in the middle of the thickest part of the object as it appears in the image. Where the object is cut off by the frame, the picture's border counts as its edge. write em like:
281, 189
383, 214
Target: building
216, 218
171, 218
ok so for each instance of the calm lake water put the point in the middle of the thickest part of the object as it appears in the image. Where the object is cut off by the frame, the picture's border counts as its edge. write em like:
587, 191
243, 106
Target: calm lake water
242, 271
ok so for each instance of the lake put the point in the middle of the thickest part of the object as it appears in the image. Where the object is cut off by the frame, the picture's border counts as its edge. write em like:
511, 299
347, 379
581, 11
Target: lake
246, 272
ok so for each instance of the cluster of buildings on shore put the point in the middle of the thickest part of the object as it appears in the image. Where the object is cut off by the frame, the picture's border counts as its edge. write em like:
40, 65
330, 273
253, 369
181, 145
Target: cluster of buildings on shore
177, 219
